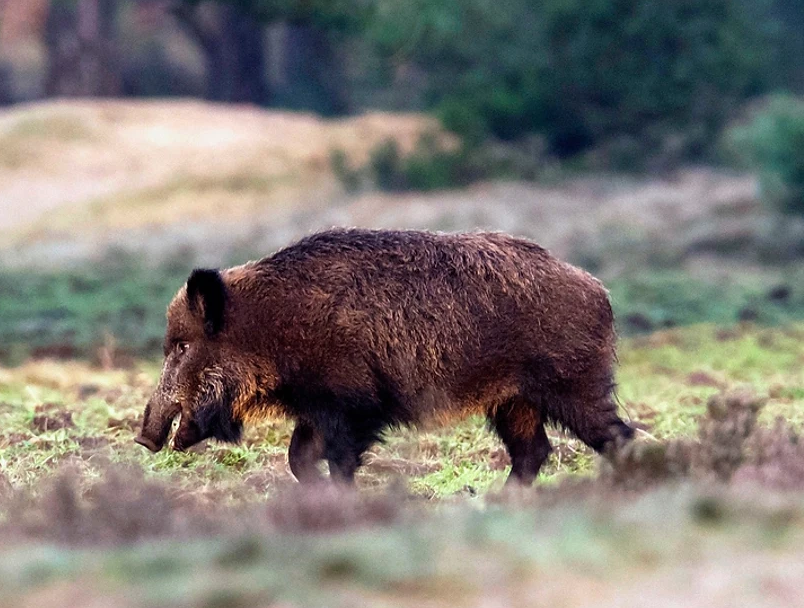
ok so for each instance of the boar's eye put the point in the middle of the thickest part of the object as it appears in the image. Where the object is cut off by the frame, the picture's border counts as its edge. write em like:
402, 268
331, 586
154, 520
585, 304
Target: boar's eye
181, 347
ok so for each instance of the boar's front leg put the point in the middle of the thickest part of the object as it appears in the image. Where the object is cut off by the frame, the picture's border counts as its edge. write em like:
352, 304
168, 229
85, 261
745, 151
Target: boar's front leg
306, 449
338, 429
346, 438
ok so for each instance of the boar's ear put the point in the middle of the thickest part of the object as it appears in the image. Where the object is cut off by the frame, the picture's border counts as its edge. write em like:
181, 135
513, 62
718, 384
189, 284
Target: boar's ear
206, 297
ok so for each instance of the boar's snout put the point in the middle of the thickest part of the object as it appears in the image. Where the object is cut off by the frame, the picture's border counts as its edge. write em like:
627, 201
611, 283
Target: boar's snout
156, 424
144, 441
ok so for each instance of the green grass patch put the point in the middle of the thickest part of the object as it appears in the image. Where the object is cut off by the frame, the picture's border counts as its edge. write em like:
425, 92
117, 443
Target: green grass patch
649, 300
54, 414
118, 303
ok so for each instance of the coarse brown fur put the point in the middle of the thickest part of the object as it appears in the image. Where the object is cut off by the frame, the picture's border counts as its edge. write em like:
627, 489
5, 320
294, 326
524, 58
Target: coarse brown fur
350, 332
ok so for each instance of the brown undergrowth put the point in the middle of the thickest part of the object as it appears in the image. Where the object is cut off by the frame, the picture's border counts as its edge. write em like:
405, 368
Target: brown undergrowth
122, 506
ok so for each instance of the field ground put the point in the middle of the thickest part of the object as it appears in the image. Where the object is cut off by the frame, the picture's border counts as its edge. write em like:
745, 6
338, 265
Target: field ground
52, 413
106, 206
223, 525
670, 548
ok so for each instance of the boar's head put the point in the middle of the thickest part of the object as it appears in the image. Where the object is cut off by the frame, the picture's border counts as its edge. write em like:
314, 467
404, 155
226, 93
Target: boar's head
200, 382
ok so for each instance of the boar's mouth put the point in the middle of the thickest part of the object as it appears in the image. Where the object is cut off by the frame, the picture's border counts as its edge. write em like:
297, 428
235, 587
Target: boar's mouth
186, 434
185, 428
180, 433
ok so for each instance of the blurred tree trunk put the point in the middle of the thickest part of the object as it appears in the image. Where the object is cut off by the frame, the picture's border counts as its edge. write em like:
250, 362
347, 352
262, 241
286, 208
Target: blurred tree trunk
6, 84
81, 47
234, 51
311, 66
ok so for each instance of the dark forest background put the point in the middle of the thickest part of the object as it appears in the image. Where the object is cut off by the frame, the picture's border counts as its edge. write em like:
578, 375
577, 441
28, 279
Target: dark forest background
618, 76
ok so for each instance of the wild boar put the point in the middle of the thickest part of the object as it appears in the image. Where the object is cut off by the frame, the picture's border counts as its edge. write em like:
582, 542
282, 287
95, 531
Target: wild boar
350, 332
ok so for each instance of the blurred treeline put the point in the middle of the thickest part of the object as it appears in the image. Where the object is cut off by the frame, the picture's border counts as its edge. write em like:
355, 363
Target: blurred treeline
616, 76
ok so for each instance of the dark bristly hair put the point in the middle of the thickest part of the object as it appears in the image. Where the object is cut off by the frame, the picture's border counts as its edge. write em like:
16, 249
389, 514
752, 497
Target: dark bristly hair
351, 332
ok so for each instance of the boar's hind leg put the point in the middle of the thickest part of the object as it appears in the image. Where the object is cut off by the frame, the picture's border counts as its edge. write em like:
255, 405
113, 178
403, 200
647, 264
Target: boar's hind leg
521, 429
306, 449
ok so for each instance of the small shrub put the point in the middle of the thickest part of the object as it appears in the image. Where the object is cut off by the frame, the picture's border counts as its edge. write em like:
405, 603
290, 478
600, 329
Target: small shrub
773, 142
435, 166
349, 177
727, 442
429, 167
75, 312
386, 166
724, 433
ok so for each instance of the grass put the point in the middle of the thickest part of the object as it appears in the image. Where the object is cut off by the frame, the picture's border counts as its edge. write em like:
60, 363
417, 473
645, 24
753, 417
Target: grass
52, 414
657, 298
80, 311
92, 518
22, 142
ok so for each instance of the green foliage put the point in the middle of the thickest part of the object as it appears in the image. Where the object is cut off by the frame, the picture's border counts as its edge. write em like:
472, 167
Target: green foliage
78, 311
578, 71
349, 177
431, 166
774, 143
386, 165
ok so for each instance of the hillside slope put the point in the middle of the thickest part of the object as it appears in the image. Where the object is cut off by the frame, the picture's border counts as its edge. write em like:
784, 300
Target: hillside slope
124, 164
160, 177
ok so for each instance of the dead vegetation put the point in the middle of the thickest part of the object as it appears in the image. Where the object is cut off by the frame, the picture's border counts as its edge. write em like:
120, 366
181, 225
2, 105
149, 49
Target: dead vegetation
725, 443
120, 505
123, 165
712, 487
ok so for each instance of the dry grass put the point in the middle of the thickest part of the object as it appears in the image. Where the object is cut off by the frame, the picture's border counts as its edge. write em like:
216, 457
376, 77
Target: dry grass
63, 163
79, 177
